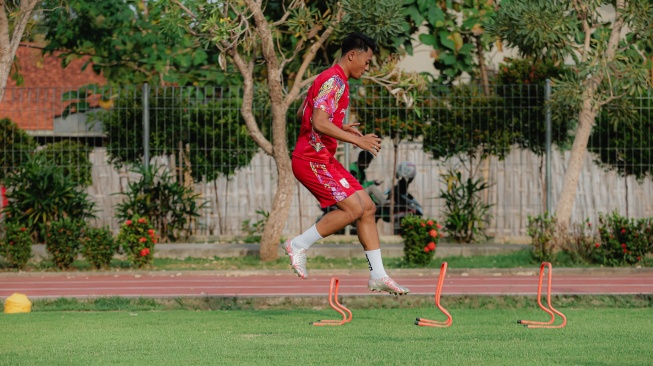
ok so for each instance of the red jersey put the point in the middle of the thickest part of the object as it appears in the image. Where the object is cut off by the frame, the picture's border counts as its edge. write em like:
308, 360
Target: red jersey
329, 93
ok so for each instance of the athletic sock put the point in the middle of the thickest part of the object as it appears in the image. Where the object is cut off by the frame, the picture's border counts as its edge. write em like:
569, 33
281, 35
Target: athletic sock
376, 264
305, 240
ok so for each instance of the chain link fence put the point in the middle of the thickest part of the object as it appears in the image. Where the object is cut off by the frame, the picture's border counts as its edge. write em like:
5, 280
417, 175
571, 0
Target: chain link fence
496, 135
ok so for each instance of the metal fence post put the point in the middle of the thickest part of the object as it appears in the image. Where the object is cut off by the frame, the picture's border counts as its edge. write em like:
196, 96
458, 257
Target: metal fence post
547, 100
146, 125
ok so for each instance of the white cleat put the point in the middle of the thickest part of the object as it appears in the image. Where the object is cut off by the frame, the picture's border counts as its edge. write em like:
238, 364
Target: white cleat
297, 258
387, 284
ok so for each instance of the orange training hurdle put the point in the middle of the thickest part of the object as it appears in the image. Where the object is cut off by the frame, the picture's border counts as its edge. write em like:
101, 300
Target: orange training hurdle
336, 305
438, 291
550, 310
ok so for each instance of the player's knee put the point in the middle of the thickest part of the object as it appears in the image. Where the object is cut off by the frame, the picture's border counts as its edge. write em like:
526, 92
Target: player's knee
369, 209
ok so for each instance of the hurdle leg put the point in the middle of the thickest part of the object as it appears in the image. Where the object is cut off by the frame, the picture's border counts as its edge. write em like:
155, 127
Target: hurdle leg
548, 309
438, 292
336, 305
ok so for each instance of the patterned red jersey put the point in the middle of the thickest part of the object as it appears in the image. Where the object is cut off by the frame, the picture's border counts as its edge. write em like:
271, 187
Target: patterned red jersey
329, 93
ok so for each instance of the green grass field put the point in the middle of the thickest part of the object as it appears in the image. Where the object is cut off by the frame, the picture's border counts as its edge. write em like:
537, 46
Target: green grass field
284, 337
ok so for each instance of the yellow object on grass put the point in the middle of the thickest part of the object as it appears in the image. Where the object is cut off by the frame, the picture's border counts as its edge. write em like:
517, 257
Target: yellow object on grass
17, 303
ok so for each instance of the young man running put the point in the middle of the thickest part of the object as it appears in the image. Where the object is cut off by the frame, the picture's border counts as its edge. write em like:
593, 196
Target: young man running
315, 166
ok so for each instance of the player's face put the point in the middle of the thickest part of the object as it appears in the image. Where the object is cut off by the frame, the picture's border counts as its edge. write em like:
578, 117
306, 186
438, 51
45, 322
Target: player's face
361, 63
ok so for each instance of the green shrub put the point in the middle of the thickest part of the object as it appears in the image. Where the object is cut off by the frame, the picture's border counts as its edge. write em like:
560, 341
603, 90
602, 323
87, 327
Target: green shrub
465, 212
579, 243
16, 245
63, 239
168, 205
98, 246
39, 193
623, 240
544, 240
136, 239
72, 158
254, 231
15, 146
420, 239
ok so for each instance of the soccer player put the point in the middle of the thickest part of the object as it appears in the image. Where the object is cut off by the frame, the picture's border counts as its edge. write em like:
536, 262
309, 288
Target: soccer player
315, 166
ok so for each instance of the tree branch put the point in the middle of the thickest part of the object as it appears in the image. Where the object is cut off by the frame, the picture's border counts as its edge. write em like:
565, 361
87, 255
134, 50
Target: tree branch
309, 56
582, 11
246, 70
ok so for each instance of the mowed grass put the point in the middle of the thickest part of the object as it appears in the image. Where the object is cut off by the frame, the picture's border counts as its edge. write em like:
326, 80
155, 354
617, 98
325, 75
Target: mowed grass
517, 259
284, 337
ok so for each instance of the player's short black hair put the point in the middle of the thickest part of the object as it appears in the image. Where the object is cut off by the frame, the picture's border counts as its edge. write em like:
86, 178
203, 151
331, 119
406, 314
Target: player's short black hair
365, 157
358, 41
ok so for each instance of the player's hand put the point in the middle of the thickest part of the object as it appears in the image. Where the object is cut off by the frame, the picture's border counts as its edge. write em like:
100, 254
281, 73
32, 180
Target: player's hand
351, 128
370, 142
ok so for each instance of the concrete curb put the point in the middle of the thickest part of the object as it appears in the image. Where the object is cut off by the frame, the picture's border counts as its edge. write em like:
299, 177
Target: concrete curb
195, 250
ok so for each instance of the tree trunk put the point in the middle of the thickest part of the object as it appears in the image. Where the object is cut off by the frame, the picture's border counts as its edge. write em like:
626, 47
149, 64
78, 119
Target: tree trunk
280, 209
586, 119
286, 181
9, 42
483, 69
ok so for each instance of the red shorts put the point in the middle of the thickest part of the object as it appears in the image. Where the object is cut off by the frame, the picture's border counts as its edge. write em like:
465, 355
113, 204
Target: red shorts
329, 183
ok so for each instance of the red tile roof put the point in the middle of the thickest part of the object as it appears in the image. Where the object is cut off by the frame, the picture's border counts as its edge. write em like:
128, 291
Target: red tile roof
34, 104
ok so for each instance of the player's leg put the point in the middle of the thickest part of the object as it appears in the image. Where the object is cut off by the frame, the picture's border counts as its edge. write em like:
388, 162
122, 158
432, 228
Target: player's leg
327, 184
368, 235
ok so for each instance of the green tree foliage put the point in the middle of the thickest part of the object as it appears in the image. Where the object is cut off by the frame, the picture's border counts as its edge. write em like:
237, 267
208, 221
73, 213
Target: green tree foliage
455, 30
622, 140
521, 84
461, 120
211, 127
15, 146
607, 58
125, 43
72, 157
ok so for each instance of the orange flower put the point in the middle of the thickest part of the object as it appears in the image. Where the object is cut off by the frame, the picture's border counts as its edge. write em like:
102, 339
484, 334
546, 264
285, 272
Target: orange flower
423, 224
429, 223
142, 221
596, 245
438, 226
128, 222
426, 249
144, 252
433, 233
431, 246
142, 240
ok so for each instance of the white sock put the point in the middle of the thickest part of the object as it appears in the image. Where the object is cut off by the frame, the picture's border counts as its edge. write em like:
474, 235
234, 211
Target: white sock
307, 239
376, 264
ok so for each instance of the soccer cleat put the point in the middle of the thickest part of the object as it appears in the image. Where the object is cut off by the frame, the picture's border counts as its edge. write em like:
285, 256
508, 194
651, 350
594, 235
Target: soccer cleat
297, 258
387, 284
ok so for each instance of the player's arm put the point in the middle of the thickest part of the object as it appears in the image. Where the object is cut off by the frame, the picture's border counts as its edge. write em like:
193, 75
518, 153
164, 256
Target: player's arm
321, 124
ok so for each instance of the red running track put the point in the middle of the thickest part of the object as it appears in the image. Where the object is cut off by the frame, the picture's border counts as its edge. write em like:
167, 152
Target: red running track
190, 285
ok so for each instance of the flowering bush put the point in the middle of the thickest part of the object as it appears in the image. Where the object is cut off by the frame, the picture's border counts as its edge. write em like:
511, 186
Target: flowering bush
98, 246
63, 240
544, 239
137, 239
623, 240
420, 239
16, 246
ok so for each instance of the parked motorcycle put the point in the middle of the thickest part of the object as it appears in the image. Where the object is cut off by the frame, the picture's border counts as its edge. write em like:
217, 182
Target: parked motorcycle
405, 203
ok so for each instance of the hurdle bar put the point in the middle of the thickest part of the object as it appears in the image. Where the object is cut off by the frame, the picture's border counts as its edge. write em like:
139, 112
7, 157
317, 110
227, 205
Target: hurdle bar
336, 305
423, 322
550, 310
